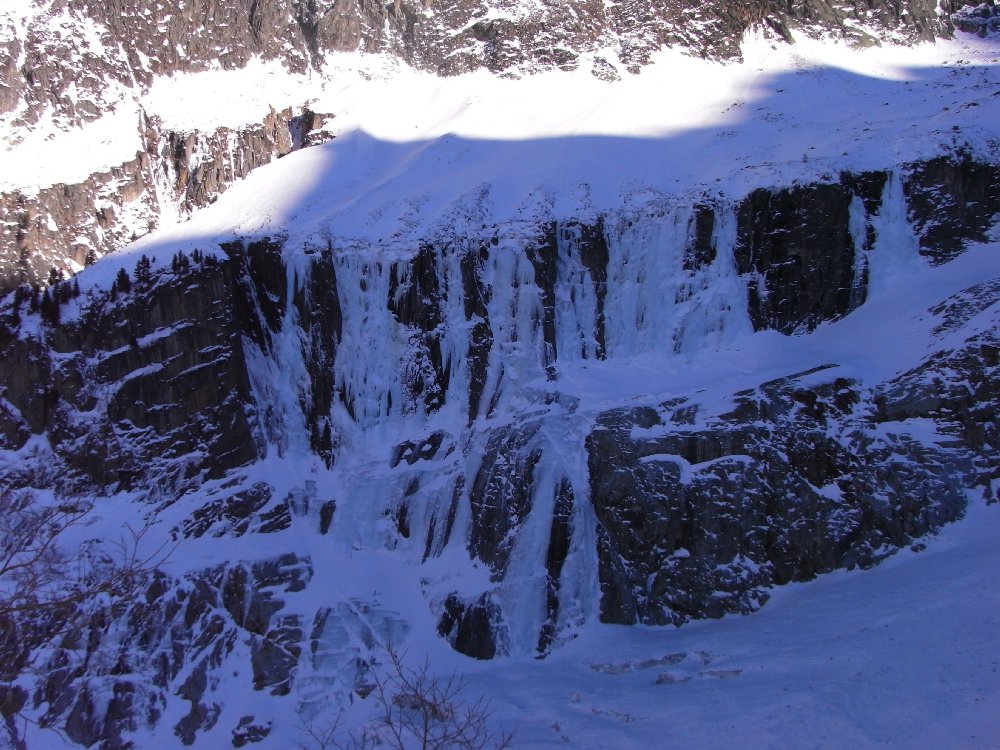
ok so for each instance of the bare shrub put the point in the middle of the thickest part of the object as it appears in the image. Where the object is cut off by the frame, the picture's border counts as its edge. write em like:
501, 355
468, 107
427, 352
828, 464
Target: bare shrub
49, 592
416, 710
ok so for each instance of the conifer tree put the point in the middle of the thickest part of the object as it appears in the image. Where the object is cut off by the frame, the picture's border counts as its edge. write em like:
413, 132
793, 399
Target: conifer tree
24, 274
19, 295
50, 308
122, 282
143, 272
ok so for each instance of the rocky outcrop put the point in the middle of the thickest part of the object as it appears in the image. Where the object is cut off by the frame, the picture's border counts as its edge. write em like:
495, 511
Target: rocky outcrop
201, 166
982, 19
957, 387
60, 226
161, 363
100, 690
699, 518
797, 247
68, 226
952, 200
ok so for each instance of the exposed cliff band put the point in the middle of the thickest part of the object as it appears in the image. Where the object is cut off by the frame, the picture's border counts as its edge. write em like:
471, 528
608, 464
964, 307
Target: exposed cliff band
67, 226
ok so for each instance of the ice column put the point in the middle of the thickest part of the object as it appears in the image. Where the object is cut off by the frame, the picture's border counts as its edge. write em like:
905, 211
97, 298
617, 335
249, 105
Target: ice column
369, 364
279, 378
576, 299
713, 311
646, 266
896, 250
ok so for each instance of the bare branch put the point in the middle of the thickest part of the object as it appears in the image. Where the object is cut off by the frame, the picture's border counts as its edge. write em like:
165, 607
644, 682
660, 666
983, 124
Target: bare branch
422, 710
48, 592
415, 710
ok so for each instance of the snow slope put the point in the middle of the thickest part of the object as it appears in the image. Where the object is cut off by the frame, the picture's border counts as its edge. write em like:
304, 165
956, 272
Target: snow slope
411, 146
814, 98
906, 655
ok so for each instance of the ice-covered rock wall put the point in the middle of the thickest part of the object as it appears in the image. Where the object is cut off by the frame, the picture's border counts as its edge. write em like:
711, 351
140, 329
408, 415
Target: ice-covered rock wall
414, 411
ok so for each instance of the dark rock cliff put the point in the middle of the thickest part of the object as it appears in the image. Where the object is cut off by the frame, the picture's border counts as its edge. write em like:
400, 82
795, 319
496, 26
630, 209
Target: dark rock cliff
139, 358
161, 363
798, 246
701, 519
952, 200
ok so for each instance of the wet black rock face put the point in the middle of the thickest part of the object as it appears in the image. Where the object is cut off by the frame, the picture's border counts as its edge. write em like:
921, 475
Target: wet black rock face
471, 627
952, 200
804, 262
796, 247
699, 520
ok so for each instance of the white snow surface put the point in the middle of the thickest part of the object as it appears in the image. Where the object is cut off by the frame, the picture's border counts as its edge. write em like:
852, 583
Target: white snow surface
680, 122
414, 149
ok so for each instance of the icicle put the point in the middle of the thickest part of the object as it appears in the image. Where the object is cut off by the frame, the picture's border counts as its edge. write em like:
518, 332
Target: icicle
523, 595
579, 584
716, 313
279, 378
373, 348
576, 300
896, 250
455, 339
658, 303
858, 227
294, 392
515, 313
645, 269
